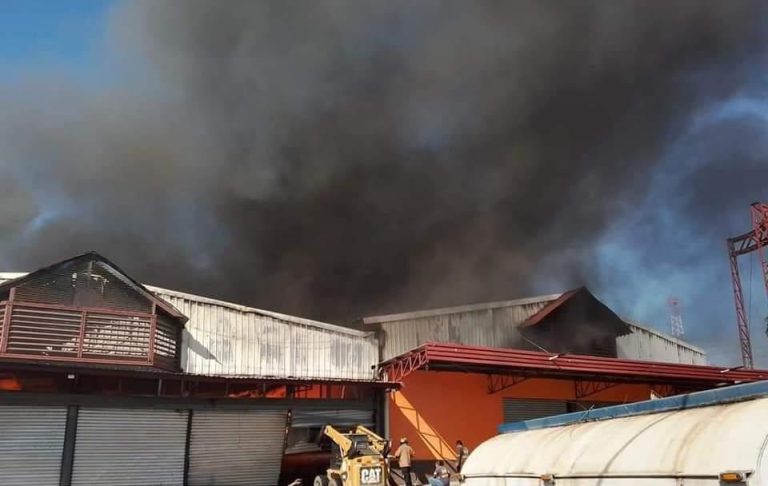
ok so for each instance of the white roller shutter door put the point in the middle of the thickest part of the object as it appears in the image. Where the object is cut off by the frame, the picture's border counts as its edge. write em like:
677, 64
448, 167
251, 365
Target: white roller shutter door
31, 445
131, 447
236, 447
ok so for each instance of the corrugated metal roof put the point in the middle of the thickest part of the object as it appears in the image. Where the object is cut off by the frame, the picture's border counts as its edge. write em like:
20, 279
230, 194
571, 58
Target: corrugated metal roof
166, 293
92, 256
405, 316
662, 335
495, 324
226, 339
515, 361
7, 276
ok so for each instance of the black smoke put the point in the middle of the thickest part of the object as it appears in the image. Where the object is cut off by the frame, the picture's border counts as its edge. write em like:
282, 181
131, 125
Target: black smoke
334, 159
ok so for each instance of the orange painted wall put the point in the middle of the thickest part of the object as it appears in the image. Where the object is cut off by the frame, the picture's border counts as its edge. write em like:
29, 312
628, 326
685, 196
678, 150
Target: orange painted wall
434, 409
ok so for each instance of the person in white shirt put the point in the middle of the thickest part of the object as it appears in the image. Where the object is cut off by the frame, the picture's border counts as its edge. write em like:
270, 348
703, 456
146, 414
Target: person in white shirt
441, 476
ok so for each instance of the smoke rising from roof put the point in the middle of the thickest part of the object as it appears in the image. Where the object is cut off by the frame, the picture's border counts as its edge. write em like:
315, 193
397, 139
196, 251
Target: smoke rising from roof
333, 159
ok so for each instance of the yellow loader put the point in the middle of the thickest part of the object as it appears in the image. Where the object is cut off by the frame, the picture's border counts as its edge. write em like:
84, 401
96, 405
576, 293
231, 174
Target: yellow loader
359, 459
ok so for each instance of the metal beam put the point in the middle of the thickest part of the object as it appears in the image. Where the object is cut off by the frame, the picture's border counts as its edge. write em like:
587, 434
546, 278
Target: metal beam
497, 383
584, 389
402, 366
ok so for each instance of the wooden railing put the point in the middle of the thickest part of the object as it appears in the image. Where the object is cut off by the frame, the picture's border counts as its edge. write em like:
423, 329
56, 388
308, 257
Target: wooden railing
61, 333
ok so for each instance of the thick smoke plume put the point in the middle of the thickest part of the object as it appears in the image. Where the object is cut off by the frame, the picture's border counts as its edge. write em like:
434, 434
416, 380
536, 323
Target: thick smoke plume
334, 159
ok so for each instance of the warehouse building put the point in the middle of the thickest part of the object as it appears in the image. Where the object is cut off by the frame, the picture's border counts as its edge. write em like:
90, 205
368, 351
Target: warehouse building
465, 370
106, 381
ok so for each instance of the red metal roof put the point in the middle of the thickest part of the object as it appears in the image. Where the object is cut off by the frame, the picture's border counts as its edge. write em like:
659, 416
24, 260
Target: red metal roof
549, 308
531, 363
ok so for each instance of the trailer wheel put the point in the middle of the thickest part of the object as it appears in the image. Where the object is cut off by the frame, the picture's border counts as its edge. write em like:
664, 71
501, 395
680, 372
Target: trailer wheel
335, 481
320, 481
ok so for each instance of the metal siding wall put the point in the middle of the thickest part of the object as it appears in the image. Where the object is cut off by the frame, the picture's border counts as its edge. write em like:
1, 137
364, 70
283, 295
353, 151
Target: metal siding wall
222, 341
648, 346
236, 448
131, 447
320, 418
31, 445
516, 410
495, 327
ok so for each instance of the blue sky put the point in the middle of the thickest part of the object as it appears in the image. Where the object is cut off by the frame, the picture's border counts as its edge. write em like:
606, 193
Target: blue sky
60, 34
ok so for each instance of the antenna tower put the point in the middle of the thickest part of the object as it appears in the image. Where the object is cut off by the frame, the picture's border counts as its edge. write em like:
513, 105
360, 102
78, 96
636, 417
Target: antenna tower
676, 317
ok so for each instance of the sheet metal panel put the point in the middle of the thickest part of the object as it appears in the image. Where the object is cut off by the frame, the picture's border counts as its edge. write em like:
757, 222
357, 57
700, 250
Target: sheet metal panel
223, 339
651, 449
651, 345
492, 327
321, 418
31, 445
516, 410
130, 447
236, 448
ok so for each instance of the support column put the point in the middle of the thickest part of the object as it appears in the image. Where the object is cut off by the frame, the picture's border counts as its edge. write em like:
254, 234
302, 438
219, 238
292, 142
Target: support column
70, 438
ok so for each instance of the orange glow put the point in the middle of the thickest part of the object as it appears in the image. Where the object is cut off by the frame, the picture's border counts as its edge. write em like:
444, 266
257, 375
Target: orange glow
9, 383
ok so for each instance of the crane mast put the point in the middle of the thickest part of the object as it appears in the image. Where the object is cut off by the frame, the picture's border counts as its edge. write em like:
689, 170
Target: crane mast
754, 240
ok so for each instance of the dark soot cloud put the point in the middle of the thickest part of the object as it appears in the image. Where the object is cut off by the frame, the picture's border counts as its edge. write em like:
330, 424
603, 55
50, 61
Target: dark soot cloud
333, 159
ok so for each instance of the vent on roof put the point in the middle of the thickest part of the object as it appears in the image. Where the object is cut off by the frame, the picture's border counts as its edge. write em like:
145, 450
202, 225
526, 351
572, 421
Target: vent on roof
82, 284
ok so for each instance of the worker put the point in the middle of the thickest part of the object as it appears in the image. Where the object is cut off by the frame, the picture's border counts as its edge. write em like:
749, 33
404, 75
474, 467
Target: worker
441, 476
404, 455
461, 455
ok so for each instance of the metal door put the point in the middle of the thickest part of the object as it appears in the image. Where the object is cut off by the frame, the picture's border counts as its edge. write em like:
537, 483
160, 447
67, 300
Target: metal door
320, 418
516, 410
131, 447
243, 447
31, 445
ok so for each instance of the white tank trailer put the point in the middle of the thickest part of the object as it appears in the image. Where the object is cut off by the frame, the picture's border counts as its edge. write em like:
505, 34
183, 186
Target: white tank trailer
711, 438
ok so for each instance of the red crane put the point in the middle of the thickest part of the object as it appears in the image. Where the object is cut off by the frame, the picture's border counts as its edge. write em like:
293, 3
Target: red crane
755, 240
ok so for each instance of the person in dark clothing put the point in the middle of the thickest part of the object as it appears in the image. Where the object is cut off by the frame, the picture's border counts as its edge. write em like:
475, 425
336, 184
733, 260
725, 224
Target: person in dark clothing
461, 455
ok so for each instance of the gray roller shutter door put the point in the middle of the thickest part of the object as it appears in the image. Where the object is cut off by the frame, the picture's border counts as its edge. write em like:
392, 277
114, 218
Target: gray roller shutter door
320, 418
131, 447
236, 447
516, 410
31, 445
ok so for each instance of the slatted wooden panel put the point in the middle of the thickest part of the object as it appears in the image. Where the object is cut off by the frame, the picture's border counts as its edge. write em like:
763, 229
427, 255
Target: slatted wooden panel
43, 331
46, 331
167, 335
116, 337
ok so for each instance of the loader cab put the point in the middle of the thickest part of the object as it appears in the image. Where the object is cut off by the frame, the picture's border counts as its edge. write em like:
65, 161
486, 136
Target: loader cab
360, 447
